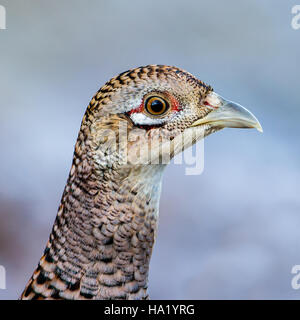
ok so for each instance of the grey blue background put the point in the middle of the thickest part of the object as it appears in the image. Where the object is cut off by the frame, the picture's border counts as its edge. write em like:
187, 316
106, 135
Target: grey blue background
232, 232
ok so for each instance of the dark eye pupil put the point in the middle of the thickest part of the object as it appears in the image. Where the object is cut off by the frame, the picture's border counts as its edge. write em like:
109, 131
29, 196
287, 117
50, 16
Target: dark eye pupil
157, 106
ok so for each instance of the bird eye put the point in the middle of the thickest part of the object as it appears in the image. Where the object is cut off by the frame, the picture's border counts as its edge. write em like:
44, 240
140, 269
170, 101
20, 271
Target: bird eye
156, 106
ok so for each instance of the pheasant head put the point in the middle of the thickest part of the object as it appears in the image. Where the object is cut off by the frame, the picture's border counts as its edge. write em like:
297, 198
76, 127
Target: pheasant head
136, 116
101, 242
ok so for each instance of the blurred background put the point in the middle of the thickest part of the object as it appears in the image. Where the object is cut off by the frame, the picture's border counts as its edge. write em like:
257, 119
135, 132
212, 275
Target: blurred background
232, 232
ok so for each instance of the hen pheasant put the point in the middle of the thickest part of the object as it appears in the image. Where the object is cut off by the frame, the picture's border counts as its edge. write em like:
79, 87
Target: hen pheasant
101, 242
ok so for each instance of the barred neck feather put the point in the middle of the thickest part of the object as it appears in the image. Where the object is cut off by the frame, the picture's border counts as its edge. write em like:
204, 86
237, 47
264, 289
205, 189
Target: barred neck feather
102, 238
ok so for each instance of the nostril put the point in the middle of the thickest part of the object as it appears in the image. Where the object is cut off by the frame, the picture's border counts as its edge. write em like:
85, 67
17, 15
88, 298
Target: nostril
206, 103
211, 105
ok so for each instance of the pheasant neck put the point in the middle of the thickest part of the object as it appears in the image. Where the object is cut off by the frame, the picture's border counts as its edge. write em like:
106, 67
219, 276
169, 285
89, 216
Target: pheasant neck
101, 242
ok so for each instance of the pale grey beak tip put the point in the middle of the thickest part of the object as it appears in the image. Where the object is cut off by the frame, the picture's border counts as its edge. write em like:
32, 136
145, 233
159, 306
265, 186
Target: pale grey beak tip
259, 128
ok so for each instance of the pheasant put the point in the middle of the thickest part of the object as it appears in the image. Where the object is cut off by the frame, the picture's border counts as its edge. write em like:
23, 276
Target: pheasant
102, 238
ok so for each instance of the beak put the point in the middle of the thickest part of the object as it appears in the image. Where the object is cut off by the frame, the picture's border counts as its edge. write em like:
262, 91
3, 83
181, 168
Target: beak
227, 114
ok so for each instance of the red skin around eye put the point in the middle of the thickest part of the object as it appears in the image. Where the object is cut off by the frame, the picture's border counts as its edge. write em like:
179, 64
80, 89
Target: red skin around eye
174, 103
139, 109
175, 106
